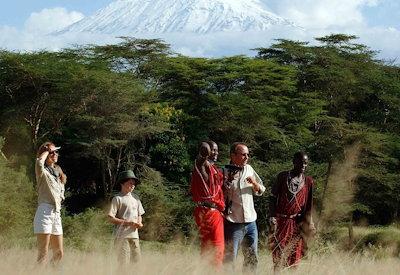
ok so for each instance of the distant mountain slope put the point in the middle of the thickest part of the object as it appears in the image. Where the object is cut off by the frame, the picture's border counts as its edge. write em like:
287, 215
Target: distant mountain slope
173, 16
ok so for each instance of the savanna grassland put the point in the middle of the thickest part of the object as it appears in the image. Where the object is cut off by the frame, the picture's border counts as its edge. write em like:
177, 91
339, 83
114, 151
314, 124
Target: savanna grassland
178, 259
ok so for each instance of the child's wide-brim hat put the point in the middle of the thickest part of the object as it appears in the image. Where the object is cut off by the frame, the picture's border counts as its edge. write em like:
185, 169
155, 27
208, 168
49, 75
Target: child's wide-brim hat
125, 175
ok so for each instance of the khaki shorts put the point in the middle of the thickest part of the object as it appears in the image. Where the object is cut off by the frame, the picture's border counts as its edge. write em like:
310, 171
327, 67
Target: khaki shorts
47, 220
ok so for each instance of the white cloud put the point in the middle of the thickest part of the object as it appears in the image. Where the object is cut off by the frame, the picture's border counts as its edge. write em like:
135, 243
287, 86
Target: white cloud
324, 17
49, 20
34, 34
322, 13
25, 41
7, 32
383, 39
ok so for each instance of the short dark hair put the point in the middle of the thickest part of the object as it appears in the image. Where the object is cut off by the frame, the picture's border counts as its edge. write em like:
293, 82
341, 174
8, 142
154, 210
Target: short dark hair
211, 142
122, 182
201, 143
44, 147
234, 146
299, 155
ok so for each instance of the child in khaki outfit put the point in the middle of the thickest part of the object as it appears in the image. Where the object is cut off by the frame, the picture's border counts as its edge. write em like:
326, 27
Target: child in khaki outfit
126, 214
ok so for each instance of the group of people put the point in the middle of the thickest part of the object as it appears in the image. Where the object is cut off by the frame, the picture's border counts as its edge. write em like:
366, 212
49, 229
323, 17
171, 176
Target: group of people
125, 211
225, 213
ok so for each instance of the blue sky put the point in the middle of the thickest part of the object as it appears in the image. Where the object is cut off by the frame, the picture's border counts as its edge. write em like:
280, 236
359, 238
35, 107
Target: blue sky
376, 22
15, 12
385, 13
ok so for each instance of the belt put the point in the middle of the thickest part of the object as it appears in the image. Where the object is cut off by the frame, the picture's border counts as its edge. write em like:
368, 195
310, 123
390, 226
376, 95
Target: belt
288, 216
206, 204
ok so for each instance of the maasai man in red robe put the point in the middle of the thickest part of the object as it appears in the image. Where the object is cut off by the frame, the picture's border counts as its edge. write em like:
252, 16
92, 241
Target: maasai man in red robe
290, 214
206, 190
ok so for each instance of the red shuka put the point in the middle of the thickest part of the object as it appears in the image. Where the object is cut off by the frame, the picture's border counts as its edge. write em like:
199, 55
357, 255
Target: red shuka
209, 220
289, 212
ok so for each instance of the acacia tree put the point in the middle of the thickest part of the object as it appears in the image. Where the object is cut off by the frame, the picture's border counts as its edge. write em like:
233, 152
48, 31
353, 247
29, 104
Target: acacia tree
114, 117
38, 91
358, 99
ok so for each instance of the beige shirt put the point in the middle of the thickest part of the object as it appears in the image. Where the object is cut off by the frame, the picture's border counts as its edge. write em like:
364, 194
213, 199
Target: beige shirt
241, 194
127, 207
50, 189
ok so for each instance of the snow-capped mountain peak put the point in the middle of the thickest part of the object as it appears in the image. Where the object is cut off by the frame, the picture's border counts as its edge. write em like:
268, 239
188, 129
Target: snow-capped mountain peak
173, 16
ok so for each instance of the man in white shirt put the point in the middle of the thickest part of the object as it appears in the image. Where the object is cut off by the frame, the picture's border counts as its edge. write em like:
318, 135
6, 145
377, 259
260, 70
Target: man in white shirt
241, 182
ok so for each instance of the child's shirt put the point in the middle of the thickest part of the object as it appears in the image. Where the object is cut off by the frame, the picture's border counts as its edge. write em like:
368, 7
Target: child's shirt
127, 207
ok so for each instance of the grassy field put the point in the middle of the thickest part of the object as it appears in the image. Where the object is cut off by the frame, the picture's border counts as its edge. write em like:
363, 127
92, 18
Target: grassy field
374, 250
178, 259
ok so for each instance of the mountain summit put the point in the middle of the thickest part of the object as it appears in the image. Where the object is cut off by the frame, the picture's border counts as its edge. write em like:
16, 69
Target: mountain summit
125, 17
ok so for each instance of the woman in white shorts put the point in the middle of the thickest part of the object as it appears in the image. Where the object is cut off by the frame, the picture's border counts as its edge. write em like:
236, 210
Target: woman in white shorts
50, 186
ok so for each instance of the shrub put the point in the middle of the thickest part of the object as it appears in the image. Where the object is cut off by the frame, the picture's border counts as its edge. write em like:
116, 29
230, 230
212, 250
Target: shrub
88, 230
17, 204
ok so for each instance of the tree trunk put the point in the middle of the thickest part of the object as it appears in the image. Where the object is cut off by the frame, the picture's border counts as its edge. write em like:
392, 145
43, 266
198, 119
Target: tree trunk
351, 232
4, 156
103, 180
325, 186
34, 120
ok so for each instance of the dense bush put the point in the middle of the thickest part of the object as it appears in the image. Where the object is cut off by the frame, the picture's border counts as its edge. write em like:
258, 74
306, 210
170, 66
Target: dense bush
88, 230
17, 202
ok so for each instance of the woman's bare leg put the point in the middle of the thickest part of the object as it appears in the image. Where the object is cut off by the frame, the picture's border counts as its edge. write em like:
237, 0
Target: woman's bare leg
43, 241
56, 243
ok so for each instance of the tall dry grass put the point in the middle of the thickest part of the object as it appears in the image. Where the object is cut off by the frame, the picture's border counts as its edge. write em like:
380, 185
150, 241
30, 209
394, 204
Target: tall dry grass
340, 189
185, 260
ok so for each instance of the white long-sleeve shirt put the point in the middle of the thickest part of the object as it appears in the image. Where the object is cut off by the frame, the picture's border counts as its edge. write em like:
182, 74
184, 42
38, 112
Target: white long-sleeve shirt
241, 194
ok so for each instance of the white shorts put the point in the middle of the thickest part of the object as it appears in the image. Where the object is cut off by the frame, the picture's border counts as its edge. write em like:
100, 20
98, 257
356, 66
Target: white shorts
47, 220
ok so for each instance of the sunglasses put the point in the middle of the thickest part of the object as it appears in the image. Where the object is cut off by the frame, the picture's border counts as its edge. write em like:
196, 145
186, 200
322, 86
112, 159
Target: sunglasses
53, 152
